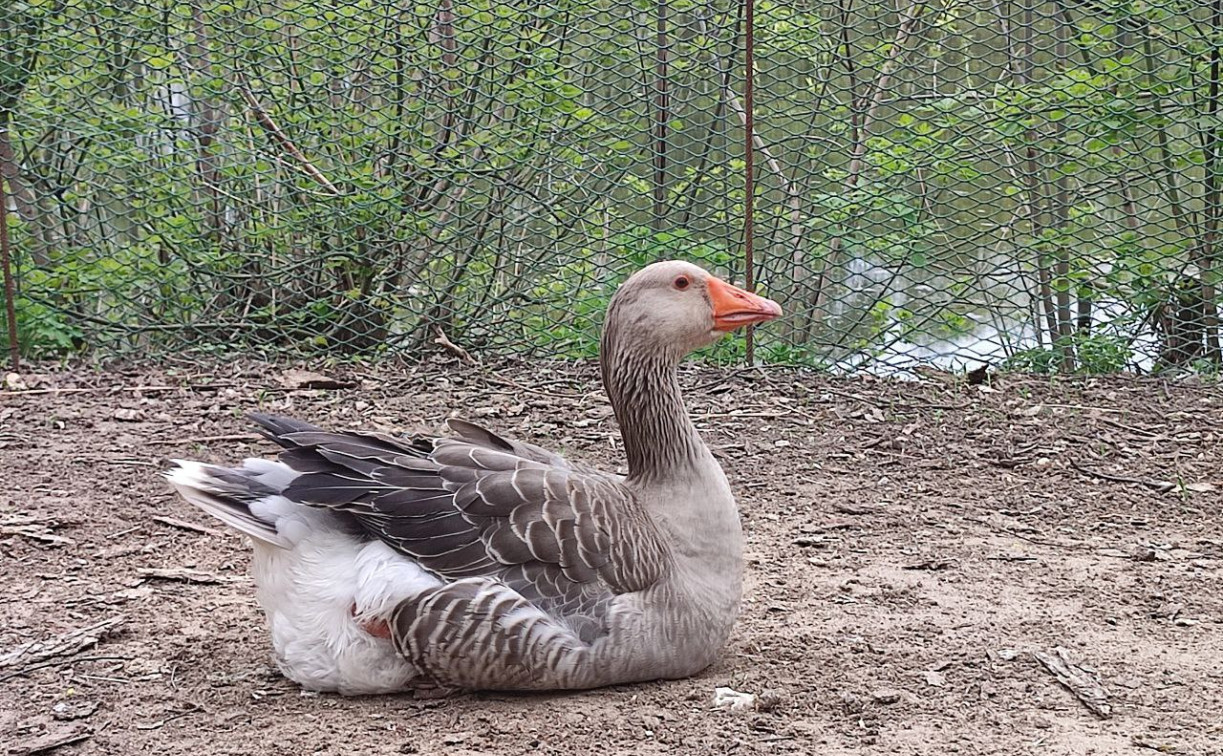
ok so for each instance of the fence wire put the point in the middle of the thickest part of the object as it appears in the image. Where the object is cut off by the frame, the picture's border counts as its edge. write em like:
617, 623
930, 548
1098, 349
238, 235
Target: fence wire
1027, 183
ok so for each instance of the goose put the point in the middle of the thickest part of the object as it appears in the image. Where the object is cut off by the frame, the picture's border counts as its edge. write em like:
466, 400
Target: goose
474, 562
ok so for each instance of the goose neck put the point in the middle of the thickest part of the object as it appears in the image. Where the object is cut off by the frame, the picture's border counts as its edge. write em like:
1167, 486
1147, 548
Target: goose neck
659, 438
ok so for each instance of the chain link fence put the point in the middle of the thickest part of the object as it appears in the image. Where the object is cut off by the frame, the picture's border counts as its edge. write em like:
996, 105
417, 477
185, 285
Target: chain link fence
936, 181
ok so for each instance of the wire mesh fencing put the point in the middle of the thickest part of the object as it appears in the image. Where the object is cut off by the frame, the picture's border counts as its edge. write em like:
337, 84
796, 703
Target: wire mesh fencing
1017, 182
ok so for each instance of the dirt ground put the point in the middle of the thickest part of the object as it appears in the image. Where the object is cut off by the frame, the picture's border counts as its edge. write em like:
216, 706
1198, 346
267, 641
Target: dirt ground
914, 548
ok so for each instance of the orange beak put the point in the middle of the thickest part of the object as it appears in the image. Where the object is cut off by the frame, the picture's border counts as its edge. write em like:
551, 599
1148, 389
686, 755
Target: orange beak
733, 307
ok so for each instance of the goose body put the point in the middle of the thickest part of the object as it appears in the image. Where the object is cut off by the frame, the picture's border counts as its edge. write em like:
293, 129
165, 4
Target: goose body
476, 562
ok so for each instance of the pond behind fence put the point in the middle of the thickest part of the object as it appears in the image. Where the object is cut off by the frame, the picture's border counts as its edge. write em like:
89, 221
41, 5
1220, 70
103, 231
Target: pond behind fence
1035, 184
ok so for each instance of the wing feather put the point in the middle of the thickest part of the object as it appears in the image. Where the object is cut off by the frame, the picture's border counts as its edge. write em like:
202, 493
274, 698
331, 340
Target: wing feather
481, 506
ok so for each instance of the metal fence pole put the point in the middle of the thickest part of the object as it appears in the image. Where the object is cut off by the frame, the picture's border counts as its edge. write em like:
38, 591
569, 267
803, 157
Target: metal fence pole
749, 149
10, 291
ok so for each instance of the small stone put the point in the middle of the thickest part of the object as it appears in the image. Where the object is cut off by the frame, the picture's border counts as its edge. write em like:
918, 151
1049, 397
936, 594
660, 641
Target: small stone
768, 701
885, 696
69, 710
1007, 654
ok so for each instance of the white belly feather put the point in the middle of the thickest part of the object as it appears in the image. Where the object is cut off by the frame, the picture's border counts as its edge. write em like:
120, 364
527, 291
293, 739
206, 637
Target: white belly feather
316, 584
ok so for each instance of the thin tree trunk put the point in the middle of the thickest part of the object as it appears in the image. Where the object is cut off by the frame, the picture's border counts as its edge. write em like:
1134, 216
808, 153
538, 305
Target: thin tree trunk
1184, 223
1062, 208
206, 119
10, 171
1209, 252
857, 161
21, 33
722, 71
1020, 69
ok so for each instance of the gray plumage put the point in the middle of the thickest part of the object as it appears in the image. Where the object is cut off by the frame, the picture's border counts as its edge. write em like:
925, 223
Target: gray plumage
538, 573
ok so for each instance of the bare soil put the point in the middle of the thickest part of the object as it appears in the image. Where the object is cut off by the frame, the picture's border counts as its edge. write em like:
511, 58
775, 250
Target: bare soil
912, 546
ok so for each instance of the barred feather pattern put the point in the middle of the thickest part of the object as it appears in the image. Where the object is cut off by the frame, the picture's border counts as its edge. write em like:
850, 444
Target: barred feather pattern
517, 569
537, 557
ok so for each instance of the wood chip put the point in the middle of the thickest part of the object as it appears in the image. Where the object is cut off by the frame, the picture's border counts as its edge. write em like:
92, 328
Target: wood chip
65, 644
36, 533
52, 740
1077, 679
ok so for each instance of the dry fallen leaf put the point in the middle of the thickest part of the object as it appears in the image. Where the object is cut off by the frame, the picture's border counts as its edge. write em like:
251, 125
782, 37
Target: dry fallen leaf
304, 379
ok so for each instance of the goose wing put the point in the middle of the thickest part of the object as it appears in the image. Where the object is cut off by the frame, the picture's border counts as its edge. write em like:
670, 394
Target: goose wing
565, 540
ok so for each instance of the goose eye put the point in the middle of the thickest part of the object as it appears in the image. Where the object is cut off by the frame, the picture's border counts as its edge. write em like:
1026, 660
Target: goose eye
682, 282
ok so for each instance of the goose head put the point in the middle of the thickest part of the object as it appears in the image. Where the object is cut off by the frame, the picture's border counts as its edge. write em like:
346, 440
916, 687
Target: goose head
675, 307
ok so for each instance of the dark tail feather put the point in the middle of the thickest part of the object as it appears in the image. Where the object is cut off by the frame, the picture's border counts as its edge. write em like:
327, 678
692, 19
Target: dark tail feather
275, 427
226, 496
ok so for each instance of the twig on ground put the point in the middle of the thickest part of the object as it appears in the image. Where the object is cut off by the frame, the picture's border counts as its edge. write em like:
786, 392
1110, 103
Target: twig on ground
854, 509
1030, 539
119, 462
1145, 741
533, 390
208, 439
1130, 428
165, 720
93, 390
1160, 486
184, 525
178, 574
